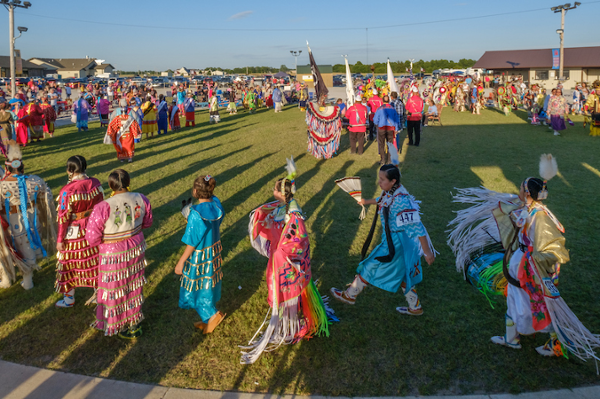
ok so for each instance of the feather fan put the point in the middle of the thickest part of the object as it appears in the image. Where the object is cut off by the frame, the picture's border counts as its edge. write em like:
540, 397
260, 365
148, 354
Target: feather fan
352, 186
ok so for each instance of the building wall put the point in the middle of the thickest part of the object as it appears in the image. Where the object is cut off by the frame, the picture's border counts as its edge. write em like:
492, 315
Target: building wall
327, 78
591, 74
546, 77
574, 77
72, 74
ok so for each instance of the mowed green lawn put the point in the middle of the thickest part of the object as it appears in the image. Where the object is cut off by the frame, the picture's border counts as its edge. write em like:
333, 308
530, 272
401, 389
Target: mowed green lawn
373, 350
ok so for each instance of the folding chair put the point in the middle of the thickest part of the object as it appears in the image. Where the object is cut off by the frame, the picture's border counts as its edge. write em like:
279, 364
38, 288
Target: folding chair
436, 118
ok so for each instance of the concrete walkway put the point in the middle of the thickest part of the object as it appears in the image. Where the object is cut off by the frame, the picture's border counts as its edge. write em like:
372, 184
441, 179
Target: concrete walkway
19, 382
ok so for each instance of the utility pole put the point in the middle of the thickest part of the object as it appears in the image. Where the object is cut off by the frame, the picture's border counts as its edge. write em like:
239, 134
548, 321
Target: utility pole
367, 30
10, 6
563, 10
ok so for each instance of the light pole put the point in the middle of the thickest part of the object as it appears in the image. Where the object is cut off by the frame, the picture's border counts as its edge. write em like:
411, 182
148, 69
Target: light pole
563, 10
296, 54
10, 6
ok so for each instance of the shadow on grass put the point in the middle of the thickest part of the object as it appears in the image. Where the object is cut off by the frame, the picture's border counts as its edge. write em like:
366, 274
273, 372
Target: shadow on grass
373, 350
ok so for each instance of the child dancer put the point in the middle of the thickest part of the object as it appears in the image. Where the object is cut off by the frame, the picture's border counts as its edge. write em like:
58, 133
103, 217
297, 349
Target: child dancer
200, 264
115, 226
297, 311
77, 261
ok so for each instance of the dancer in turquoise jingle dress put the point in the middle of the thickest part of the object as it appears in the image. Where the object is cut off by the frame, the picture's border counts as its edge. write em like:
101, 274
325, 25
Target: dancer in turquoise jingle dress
200, 264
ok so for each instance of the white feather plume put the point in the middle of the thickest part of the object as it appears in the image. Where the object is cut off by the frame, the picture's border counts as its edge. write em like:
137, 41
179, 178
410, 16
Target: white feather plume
394, 157
14, 151
291, 172
548, 167
291, 167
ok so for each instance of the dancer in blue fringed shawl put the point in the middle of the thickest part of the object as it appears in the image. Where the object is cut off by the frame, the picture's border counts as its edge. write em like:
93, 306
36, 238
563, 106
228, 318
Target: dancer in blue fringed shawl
200, 264
162, 117
29, 221
81, 110
396, 262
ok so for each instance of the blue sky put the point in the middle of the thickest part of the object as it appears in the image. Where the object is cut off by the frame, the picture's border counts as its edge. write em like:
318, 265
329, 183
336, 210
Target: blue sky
206, 34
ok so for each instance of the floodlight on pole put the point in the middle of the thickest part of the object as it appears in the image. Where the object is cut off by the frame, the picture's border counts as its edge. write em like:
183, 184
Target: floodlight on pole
10, 6
563, 10
296, 54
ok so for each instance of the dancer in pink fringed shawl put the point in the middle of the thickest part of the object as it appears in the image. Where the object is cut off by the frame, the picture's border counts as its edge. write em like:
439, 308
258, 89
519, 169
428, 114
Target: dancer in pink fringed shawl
116, 227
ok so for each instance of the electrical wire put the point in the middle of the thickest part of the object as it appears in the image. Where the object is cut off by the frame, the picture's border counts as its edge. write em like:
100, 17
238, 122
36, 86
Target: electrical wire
289, 29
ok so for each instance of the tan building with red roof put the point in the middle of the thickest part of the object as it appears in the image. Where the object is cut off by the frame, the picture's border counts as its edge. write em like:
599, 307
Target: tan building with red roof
581, 64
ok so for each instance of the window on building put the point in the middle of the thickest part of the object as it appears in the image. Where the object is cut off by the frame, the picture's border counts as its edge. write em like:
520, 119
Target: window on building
566, 74
541, 75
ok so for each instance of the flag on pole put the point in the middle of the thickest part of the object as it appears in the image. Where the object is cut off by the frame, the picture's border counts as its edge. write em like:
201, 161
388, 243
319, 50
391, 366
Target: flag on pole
349, 86
390, 78
320, 88
422, 69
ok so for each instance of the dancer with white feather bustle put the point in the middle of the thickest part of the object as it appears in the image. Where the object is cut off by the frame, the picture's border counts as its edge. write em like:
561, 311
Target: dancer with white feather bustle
297, 311
534, 251
396, 262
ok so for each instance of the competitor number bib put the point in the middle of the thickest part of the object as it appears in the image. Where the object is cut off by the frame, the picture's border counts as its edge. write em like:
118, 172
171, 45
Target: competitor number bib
407, 217
72, 232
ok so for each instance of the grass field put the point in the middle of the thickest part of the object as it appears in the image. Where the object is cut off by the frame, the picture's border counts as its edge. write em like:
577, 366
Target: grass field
373, 351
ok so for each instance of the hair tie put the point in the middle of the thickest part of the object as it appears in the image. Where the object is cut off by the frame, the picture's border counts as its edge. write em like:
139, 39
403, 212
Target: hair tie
207, 178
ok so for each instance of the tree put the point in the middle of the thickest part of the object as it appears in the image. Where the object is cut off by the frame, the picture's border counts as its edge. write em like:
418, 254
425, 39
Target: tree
283, 68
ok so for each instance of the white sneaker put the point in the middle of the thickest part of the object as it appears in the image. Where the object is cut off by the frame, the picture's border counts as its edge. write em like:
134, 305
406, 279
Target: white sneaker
544, 350
499, 340
556, 133
342, 296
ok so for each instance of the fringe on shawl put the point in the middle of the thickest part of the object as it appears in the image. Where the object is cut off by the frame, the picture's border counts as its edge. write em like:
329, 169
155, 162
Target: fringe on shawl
302, 317
47, 216
259, 243
570, 331
9, 260
323, 133
474, 227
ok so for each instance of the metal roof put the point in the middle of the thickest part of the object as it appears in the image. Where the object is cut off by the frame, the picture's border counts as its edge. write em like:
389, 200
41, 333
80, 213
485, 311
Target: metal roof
5, 63
575, 57
69, 64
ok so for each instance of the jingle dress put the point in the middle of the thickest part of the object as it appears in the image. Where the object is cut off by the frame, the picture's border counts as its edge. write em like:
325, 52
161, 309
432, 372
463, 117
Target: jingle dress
149, 125
36, 120
115, 226
49, 118
77, 264
201, 279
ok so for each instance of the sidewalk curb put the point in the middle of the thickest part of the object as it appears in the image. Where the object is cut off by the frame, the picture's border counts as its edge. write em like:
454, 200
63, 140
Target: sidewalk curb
18, 381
